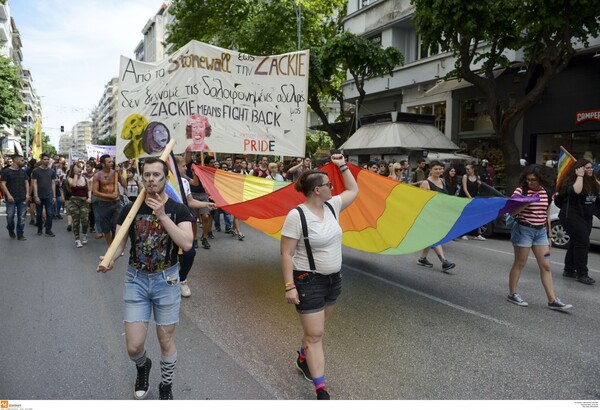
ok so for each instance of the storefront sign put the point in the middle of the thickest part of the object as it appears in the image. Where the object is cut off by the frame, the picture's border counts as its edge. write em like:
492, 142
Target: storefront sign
589, 115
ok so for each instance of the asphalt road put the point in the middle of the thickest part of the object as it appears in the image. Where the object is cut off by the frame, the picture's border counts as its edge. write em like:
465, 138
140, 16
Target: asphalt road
400, 331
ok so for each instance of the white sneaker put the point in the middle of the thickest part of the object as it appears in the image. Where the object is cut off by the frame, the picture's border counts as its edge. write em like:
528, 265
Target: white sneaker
78, 243
479, 238
464, 238
185, 289
84, 239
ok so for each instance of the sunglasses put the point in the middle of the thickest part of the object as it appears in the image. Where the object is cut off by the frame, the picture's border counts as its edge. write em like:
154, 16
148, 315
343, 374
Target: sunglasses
328, 184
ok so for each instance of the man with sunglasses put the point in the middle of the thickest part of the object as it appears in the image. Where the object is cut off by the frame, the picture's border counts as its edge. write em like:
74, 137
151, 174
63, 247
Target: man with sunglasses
160, 227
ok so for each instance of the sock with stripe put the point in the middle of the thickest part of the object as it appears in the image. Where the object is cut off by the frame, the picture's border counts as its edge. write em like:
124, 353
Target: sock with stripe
302, 354
319, 382
167, 368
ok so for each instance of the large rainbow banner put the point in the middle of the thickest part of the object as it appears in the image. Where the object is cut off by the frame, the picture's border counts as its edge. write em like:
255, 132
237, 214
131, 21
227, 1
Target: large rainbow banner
387, 217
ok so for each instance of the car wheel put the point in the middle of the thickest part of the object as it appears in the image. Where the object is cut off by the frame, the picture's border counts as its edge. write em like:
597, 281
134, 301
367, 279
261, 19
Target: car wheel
487, 230
560, 237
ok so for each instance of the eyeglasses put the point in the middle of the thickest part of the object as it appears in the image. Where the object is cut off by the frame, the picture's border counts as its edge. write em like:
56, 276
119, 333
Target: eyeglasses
328, 184
588, 167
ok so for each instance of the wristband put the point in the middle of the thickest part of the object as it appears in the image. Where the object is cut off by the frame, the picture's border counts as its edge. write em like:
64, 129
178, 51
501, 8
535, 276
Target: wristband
288, 288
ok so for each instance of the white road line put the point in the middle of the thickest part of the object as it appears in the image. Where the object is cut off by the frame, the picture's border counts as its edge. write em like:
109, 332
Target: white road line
434, 298
562, 265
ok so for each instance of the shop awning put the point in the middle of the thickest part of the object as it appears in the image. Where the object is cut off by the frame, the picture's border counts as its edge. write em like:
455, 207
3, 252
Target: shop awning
399, 135
444, 86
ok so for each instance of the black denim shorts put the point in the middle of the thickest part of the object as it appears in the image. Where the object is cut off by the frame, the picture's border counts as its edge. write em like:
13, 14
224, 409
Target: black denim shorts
316, 291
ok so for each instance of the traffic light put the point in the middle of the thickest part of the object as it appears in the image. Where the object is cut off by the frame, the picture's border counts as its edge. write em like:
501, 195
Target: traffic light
62, 128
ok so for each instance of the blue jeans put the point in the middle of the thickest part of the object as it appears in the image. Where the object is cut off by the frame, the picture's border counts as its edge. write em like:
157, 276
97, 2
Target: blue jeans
226, 218
156, 292
47, 204
20, 207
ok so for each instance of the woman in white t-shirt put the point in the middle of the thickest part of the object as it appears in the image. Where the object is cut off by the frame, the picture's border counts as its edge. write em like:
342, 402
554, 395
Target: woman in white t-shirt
314, 294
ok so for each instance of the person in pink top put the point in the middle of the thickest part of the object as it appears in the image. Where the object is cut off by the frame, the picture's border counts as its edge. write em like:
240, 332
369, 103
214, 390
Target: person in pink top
531, 231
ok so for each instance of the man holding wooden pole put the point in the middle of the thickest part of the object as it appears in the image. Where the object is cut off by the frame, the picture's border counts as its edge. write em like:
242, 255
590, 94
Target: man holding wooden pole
158, 227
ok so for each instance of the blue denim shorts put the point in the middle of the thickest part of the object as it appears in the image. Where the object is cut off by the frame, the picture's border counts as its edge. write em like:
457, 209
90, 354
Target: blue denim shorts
316, 291
146, 292
526, 237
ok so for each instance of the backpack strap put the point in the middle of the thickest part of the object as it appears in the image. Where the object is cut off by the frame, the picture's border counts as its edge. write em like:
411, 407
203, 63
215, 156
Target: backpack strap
309, 255
311, 260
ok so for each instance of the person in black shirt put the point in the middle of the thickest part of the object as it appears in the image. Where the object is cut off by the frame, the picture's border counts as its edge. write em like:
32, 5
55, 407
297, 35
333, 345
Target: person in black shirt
160, 227
15, 186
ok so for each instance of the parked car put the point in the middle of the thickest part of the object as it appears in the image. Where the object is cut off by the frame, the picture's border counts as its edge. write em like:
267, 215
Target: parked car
560, 238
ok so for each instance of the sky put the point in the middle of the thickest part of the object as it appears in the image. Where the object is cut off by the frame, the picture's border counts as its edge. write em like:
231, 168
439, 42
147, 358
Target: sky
72, 50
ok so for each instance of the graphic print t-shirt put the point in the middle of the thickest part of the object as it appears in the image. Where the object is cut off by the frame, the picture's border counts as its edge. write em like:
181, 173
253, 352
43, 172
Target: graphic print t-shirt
152, 250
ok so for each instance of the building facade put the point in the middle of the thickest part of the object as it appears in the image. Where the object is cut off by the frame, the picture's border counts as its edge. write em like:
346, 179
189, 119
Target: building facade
104, 116
459, 108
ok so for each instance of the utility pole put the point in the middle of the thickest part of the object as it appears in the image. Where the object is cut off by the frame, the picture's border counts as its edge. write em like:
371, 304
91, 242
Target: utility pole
298, 8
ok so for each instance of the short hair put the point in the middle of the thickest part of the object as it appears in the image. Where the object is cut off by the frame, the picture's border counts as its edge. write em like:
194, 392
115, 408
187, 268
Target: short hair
103, 158
309, 181
436, 164
16, 156
43, 155
154, 160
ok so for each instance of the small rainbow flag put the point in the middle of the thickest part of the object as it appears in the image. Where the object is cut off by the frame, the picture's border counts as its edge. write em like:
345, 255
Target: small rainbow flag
565, 160
174, 188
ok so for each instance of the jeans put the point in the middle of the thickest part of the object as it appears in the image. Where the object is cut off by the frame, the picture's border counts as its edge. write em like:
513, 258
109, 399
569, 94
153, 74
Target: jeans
20, 207
157, 292
96, 217
45, 203
226, 218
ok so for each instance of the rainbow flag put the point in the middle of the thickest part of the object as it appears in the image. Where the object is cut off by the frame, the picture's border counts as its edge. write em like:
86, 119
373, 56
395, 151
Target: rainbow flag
565, 160
174, 187
387, 217
36, 146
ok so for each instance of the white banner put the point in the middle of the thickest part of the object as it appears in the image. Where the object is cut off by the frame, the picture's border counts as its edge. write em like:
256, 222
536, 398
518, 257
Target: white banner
97, 151
215, 100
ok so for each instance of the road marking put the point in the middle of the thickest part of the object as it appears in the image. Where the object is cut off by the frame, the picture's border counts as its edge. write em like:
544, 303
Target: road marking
430, 297
531, 257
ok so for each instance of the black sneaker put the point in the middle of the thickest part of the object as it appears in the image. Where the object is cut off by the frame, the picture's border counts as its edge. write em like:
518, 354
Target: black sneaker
229, 230
165, 392
322, 394
205, 243
447, 265
12, 235
195, 243
40, 233
303, 368
585, 279
218, 229
32, 222
69, 228
424, 262
21, 238
50, 234
211, 235
558, 305
59, 216
569, 274
142, 380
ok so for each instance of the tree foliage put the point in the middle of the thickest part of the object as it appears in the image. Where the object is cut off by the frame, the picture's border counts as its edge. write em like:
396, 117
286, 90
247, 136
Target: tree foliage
11, 103
478, 33
270, 27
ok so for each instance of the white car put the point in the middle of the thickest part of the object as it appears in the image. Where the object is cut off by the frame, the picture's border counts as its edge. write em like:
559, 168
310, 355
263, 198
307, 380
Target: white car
560, 237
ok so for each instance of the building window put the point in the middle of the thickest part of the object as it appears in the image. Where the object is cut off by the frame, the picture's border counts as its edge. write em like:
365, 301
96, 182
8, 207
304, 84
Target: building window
365, 3
424, 52
438, 110
474, 116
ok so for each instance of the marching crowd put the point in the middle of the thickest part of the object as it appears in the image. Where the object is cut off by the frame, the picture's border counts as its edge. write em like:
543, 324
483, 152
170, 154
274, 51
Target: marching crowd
97, 195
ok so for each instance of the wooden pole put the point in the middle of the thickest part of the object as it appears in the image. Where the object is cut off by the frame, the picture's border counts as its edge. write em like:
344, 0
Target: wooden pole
134, 209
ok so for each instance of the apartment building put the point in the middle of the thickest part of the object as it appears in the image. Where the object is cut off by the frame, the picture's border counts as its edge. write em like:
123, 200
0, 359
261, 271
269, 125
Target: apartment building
568, 114
15, 137
104, 116
151, 49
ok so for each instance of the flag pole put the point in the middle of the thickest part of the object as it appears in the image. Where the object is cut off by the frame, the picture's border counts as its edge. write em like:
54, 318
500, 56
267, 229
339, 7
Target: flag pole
568, 153
134, 209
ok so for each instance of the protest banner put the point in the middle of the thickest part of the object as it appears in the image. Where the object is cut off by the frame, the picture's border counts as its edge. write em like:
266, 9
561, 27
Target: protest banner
213, 99
96, 151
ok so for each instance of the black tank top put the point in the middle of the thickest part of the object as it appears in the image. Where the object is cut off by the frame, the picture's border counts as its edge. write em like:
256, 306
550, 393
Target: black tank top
434, 187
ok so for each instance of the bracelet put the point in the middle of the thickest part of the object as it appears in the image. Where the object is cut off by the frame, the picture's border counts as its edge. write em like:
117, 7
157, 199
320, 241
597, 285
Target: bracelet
344, 168
288, 288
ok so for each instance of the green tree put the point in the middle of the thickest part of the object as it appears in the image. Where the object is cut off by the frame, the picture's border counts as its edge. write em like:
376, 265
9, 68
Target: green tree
11, 104
478, 33
269, 27
112, 140
47, 147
